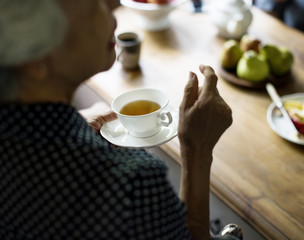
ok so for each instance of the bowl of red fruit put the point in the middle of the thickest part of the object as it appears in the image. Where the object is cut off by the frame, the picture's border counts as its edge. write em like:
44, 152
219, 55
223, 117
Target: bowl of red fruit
152, 15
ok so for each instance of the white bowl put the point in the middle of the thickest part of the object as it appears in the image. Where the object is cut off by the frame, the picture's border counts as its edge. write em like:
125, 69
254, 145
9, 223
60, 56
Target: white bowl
151, 16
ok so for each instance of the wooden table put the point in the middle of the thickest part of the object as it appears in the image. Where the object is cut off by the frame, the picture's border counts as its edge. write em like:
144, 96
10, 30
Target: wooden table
255, 172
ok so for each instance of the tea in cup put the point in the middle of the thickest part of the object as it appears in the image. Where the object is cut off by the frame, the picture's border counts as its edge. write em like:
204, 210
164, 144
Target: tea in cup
129, 44
142, 111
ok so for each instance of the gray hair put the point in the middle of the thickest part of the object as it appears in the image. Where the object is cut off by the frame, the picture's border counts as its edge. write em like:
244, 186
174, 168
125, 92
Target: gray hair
29, 29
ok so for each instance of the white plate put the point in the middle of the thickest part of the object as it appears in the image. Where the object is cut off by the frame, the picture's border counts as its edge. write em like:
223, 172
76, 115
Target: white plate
115, 133
278, 123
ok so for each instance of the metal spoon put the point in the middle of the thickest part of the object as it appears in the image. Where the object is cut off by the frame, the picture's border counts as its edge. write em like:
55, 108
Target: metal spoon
278, 102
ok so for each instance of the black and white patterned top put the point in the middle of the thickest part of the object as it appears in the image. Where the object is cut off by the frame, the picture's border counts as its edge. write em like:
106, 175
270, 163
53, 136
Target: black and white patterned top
59, 180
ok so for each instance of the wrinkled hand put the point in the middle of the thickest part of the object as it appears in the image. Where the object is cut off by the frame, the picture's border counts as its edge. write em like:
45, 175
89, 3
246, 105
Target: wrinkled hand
204, 116
97, 122
97, 115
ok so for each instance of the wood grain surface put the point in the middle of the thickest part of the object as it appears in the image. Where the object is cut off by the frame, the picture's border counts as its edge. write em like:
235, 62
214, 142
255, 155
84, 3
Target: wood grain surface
255, 172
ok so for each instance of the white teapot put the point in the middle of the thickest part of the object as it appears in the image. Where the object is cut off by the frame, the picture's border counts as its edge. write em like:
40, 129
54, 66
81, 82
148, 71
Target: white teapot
231, 17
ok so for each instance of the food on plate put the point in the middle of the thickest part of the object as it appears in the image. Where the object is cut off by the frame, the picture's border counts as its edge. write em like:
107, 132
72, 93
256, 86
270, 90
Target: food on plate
142, 1
291, 104
280, 59
158, 1
248, 42
153, 1
230, 54
295, 110
252, 67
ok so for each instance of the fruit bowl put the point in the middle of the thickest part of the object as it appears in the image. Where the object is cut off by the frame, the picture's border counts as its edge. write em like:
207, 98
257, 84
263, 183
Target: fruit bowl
151, 16
251, 63
231, 77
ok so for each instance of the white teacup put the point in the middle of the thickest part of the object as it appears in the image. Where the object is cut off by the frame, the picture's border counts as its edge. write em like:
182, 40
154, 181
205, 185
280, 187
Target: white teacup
147, 123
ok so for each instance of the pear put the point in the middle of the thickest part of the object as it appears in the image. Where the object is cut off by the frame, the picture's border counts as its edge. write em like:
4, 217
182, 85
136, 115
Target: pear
249, 42
230, 54
252, 67
280, 59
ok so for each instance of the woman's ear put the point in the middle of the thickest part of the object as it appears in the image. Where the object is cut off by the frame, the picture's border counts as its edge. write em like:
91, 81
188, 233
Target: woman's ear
36, 70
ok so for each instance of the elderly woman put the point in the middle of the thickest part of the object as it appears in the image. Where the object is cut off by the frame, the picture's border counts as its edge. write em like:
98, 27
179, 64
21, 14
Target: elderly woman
58, 178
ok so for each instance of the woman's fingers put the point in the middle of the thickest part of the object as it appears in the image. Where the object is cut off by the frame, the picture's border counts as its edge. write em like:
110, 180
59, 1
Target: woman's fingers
99, 121
109, 117
210, 79
190, 91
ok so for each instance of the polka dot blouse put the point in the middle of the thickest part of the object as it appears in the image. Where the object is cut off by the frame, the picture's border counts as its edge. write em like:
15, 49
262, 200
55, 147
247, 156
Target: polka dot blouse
59, 180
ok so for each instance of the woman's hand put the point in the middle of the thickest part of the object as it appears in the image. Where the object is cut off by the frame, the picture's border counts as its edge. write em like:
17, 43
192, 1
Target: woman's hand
204, 115
203, 118
97, 122
97, 115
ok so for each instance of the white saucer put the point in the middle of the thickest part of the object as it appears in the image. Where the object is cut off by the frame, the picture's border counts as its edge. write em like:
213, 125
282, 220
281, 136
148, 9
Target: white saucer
278, 123
115, 133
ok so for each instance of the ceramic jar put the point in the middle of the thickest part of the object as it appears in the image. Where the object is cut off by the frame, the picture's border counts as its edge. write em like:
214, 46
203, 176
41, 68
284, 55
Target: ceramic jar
231, 17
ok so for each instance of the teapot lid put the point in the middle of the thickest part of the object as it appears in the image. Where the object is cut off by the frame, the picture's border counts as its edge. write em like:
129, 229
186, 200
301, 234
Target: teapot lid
234, 4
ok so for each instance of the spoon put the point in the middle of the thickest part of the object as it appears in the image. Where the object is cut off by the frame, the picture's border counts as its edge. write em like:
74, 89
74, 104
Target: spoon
278, 102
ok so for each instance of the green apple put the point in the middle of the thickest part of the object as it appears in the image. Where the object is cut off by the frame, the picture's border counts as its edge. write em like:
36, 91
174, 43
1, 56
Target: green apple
231, 54
280, 59
252, 67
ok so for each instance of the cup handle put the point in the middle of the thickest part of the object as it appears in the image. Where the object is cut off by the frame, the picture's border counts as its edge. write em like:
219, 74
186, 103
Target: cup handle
166, 119
120, 53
